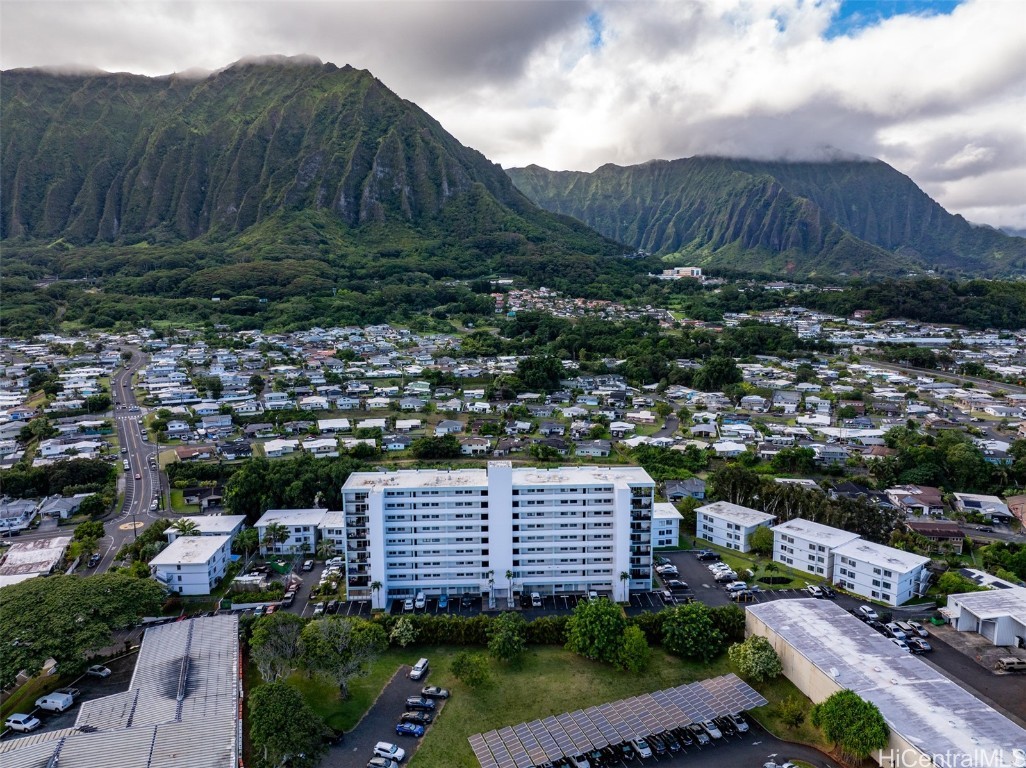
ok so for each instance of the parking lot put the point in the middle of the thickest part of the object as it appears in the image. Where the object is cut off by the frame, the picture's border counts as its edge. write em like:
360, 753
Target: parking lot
379, 723
90, 688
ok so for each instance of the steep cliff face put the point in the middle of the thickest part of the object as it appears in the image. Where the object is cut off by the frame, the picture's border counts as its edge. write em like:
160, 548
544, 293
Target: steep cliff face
102, 157
806, 217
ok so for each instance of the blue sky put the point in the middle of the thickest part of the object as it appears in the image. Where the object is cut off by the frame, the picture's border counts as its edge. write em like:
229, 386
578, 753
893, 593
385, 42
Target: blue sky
855, 15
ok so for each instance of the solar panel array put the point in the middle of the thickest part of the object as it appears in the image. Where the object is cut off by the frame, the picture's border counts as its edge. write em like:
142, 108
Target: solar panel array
573, 733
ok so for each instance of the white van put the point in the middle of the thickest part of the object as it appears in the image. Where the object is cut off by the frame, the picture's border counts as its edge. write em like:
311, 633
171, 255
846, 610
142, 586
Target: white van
419, 669
55, 702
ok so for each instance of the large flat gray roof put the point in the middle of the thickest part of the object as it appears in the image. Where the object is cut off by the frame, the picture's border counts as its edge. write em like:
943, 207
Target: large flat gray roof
926, 708
180, 711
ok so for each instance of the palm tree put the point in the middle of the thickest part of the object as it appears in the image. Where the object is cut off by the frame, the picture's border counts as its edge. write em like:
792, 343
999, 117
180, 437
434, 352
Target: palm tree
326, 548
275, 533
183, 526
624, 578
376, 589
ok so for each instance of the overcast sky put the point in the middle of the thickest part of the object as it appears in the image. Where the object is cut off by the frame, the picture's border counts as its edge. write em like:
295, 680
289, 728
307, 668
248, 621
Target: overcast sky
937, 89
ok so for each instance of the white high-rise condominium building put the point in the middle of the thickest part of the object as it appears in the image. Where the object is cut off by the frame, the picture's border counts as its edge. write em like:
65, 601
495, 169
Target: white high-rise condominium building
499, 530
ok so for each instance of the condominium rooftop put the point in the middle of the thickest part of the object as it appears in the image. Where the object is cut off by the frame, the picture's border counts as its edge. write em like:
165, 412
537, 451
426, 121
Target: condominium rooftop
815, 532
880, 555
478, 478
291, 517
664, 510
190, 550
735, 513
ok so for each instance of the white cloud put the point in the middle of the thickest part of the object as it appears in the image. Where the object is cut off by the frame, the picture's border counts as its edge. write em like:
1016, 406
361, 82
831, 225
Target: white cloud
942, 97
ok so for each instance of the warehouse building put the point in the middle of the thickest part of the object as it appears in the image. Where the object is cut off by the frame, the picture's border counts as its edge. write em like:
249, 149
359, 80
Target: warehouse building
933, 720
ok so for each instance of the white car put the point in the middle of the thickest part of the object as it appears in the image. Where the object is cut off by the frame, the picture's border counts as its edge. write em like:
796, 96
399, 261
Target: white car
640, 746
901, 644
896, 631
814, 591
868, 613
21, 722
408, 604
389, 750
536, 600
420, 601
919, 629
710, 727
98, 670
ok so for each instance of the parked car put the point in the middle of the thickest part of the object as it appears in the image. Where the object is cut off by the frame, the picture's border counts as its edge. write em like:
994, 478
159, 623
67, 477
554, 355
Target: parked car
625, 751
308, 565
467, 600
434, 692
722, 577
742, 595
868, 612
707, 554
918, 645
94, 559
641, 748
417, 718
901, 644
98, 670
676, 585
55, 702
408, 604
72, 692
895, 631
710, 727
699, 733
420, 601
389, 750
22, 722
813, 591
670, 741
420, 704
382, 762
318, 609
828, 592
739, 723
536, 600
726, 726
443, 602
409, 729
660, 560
684, 736
919, 629
656, 745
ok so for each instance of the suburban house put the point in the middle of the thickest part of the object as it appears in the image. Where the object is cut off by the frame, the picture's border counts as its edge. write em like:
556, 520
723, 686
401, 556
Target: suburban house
944, 535
475, 446
593, 448
448, 427
693, 487
916, 499
981, 504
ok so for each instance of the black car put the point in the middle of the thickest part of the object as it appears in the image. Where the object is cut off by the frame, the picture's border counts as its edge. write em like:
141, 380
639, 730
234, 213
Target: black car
672, 744
706, 555
828, 592
420, 704
657, 745
417, 718
467, 600
333, 738
683, 736
660, 560
331, 607
626, 752
699, 733
94, 559
596, 758
726, 726
610, 755
676, 585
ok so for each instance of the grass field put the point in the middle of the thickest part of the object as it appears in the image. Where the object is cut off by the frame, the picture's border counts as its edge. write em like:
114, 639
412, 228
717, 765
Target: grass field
178, 503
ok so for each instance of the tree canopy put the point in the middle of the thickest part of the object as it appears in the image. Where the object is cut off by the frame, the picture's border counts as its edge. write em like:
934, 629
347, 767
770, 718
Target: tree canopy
852, 723
595, 630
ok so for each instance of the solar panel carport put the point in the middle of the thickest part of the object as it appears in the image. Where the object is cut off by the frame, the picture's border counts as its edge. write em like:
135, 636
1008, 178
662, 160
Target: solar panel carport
574, 733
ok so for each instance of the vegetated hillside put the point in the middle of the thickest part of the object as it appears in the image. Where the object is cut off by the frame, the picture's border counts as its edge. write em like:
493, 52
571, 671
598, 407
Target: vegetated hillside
859, 217
269, 180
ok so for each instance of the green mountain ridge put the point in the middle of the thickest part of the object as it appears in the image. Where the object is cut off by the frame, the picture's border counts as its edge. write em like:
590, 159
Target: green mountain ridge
830, 217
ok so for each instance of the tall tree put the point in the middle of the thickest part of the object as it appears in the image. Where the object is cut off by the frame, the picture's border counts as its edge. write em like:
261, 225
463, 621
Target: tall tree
341, 648
274, 534
853, 724
185, 526
688, 631
755, 659
65, 617
634, 652
276, 646
284, 730
470, 668
507, 636
595, 630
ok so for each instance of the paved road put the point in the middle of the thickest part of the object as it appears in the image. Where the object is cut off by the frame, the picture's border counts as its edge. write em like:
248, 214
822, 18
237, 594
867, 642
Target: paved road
957, 378
141, 484
379, 724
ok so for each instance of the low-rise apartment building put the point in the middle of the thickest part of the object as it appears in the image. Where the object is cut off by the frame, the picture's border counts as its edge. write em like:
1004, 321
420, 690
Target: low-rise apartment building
192, 565
729, 525
808, 546
299, 529
879, 572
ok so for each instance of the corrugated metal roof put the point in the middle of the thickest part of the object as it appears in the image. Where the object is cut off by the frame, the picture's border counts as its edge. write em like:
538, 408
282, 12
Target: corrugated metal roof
180, 711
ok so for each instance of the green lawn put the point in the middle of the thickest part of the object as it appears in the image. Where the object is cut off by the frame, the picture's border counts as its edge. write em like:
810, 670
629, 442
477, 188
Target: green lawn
178, 503
742, 561
777, 691
548, 682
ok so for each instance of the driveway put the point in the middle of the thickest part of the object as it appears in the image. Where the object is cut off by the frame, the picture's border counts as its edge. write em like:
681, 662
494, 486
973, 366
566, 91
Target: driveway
379, 724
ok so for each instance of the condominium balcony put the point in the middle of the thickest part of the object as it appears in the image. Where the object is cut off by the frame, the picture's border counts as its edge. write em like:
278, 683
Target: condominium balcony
359, 581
